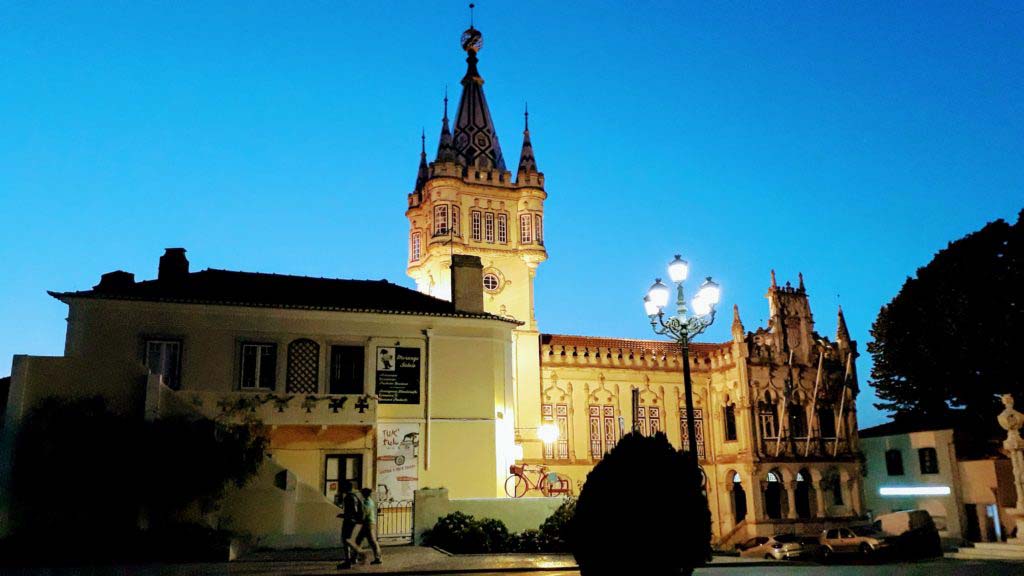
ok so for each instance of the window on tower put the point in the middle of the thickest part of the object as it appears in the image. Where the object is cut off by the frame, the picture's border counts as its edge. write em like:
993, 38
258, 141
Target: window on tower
415, 247
503, 228
489, 227
475, 224
525, 223
538, 230
440, 220
456, 224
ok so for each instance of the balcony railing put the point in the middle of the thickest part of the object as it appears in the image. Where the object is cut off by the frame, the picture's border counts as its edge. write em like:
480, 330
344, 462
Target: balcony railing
799, 448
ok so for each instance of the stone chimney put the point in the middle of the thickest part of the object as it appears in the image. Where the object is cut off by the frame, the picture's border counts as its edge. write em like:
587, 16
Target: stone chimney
467, 283
173, 265
114, 281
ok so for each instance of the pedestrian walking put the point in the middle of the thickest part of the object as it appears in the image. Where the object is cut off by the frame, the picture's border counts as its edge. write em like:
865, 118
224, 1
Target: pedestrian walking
352, 515
369, 530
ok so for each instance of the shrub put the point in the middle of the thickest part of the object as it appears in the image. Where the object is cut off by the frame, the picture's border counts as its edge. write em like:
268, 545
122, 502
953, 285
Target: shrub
457, 533
123, 469
637, 471
554, 532
529, 540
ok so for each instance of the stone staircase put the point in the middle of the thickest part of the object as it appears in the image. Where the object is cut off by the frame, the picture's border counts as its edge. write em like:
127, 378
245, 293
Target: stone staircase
990, 551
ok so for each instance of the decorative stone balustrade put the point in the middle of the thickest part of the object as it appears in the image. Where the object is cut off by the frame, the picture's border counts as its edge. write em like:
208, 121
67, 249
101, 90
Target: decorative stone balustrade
622, 353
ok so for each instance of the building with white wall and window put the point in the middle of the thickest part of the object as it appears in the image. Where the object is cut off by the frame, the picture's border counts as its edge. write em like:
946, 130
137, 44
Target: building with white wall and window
354, 379
918, 465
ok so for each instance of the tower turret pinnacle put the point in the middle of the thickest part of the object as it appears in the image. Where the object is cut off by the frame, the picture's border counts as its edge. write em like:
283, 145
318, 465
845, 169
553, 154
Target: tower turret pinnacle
527, 163
445, 150
424, 171
737, 325
842, 333
474, 137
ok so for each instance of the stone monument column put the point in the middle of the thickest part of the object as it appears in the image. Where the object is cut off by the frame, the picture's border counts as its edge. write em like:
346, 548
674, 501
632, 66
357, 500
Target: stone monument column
1012, 421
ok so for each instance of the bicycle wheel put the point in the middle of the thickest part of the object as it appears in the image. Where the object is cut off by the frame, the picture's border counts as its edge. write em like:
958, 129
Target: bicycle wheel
515, 486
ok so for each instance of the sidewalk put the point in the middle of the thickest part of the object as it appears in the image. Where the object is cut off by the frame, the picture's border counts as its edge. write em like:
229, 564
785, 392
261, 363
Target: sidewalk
398, 560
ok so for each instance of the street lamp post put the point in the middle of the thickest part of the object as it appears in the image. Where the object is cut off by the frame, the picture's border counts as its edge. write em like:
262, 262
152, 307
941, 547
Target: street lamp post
683, 328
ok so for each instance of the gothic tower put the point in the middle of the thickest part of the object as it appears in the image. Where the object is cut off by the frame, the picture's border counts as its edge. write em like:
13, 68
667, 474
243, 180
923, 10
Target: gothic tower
467, 202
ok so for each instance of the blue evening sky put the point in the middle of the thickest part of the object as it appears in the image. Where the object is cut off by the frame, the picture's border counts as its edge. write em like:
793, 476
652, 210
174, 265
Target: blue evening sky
846, 140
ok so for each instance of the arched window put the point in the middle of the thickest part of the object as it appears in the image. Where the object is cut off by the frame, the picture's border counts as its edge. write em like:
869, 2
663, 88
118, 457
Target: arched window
730, 423
797, 421
303, 367
768, 417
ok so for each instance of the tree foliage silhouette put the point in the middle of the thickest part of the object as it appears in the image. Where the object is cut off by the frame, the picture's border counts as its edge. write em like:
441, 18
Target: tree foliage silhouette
608, 533
950, 338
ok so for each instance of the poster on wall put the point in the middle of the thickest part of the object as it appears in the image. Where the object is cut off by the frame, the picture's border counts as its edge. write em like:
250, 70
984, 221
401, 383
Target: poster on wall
398, 375
398, 448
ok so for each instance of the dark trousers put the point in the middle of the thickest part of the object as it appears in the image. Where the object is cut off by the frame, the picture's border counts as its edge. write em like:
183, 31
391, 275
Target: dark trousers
349, 548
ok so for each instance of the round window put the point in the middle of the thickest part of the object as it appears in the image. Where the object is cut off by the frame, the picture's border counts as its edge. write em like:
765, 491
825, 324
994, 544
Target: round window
491, 282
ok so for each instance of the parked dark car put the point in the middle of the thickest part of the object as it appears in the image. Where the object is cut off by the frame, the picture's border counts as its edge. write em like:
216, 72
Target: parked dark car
912, 532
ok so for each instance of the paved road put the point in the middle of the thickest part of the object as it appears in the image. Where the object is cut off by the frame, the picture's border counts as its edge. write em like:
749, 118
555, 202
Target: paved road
929, 568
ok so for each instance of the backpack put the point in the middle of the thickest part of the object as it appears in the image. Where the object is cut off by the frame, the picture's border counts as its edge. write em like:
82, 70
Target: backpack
353, 505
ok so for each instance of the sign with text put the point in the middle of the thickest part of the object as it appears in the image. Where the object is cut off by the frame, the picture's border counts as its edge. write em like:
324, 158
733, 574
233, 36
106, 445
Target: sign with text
398, 375
398, 446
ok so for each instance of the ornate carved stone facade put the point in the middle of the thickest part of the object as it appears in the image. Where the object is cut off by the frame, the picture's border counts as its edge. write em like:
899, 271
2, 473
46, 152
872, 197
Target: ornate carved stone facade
775, 408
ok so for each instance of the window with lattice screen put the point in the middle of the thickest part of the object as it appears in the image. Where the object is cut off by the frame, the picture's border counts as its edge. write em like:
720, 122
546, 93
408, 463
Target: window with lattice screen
303, 367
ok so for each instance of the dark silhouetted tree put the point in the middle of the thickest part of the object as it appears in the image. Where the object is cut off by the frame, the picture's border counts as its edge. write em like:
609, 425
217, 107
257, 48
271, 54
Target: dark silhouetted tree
642, 477
950, 338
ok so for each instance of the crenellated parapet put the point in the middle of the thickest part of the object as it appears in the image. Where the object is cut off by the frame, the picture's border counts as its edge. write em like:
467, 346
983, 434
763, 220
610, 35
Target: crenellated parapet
565, 350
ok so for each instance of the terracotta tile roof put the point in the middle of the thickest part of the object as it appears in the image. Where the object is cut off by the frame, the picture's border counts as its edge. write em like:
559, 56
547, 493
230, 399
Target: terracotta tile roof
231, 288
659, 347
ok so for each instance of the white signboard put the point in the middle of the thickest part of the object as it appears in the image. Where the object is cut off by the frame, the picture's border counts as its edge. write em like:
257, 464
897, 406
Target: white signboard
398, 448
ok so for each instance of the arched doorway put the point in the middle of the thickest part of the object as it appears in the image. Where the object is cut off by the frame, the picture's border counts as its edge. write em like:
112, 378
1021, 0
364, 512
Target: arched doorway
773, 496
802, 494
739, 498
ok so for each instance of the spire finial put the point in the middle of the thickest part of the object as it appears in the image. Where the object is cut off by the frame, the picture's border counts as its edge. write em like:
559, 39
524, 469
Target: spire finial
800, 275
774, 285
445, 101
471, 6
423, 142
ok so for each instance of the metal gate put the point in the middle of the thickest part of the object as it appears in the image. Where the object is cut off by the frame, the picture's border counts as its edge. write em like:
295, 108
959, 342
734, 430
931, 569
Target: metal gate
394, 522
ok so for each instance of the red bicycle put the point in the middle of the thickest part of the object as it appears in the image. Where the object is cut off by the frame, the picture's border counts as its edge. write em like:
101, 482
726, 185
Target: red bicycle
549, 483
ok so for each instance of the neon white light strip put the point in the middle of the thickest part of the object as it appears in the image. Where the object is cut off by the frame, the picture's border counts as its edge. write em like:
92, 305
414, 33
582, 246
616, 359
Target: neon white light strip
914, 491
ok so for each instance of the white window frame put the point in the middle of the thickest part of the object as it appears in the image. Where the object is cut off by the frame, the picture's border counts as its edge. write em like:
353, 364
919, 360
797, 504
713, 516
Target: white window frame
538, 230
489, 227
440, 219
502, 228
164, 344
455, 211
259, 361
476, 225
416, 247
525, 225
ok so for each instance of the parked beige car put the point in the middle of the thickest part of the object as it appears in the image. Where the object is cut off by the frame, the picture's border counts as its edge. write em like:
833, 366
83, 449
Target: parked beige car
778, 547
863, 540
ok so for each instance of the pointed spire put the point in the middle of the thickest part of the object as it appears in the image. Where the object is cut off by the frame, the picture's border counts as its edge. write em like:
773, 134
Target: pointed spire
445, 150
527, 163
424, 173
774, 285
842, 333
474, 137
800, 275
737, 325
